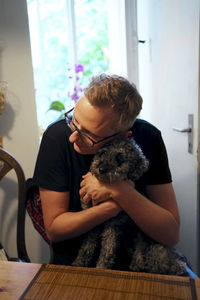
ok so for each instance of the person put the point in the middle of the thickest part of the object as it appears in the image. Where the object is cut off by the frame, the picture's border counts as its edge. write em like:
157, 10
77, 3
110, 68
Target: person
108, 108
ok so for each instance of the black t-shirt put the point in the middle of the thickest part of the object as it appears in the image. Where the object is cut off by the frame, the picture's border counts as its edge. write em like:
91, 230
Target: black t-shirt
60, 168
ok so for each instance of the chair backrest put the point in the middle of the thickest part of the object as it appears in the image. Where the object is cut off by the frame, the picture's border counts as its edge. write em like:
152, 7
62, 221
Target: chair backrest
10, 163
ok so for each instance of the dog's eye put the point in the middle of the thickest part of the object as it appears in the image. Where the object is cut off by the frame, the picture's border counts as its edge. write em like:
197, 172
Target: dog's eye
119, 158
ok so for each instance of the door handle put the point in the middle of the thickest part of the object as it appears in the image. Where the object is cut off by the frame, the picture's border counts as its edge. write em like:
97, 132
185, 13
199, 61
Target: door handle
189, 131
183, 130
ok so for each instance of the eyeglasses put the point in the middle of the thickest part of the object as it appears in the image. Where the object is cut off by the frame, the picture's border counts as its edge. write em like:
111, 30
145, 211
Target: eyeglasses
84, 137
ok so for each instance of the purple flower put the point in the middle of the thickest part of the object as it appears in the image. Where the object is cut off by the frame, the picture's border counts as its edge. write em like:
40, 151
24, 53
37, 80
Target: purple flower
75, 95
79, 68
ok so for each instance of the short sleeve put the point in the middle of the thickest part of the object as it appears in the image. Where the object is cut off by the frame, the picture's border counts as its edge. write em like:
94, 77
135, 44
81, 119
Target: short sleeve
159, 172
150, 140
52, 165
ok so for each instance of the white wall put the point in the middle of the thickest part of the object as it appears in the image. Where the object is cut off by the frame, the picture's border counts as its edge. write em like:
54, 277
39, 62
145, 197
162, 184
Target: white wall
18, 125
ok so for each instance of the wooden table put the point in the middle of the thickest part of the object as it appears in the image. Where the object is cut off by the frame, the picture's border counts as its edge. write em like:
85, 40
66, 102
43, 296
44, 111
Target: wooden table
15, 277
35, 281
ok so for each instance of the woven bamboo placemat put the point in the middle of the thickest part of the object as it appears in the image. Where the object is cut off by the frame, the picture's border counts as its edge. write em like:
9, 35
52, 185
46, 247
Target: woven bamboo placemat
63, 282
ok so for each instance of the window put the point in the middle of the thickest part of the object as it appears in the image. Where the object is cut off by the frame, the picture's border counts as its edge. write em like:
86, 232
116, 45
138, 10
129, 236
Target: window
65, 33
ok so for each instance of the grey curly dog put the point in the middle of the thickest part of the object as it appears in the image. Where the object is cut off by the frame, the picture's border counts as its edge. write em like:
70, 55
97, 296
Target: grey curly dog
122, 159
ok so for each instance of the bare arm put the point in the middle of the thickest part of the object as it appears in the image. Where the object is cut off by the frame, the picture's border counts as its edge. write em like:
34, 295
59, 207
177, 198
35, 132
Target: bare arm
156, 215
61, 224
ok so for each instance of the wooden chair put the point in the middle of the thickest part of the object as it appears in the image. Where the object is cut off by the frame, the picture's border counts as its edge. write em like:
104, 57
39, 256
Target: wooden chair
10, 163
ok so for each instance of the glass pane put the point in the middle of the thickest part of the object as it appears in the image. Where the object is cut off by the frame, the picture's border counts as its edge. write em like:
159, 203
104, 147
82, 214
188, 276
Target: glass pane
92, 36
50, 44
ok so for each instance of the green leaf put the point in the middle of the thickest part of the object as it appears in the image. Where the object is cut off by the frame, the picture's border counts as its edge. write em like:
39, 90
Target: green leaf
61, 116
57, 105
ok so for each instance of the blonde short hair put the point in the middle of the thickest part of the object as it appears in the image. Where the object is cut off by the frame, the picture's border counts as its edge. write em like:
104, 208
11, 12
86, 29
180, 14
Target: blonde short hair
117, 92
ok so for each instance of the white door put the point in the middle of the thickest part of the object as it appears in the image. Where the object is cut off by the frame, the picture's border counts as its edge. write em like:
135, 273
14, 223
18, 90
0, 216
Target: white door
169, 84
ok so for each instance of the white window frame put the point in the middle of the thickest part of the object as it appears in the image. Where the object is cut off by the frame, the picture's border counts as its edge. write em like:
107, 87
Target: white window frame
123, 38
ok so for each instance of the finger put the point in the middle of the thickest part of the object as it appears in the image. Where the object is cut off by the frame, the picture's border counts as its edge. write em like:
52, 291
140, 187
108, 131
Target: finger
86, 198
94, 202
82, 192
82, 184
86, 175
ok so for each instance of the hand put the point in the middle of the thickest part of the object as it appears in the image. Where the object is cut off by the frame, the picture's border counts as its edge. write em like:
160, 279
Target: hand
93, 189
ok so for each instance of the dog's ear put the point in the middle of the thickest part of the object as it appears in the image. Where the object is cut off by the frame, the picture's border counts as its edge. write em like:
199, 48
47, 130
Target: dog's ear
131, 175
119, 158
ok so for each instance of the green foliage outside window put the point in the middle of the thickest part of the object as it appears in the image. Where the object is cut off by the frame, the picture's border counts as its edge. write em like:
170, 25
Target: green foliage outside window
50, 51
92, 36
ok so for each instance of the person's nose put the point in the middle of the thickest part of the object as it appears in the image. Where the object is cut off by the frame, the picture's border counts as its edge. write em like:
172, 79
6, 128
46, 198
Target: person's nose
74, 137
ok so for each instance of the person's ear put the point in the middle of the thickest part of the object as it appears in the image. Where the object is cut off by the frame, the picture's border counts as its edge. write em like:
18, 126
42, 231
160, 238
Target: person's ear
127, 133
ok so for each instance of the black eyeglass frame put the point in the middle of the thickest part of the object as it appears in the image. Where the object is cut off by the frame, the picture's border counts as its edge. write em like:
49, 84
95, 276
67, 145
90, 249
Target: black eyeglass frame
81, 134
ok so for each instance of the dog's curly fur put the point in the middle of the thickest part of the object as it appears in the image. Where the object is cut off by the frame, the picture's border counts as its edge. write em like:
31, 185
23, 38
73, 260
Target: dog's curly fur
122, 159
